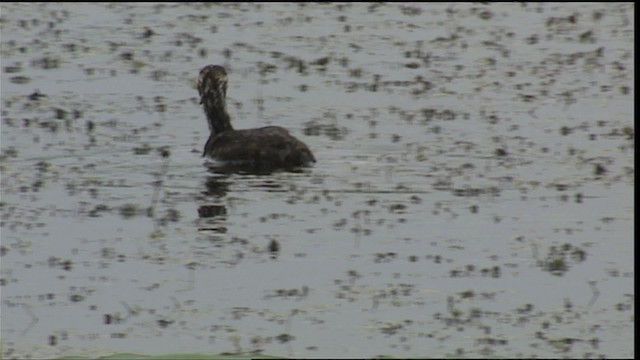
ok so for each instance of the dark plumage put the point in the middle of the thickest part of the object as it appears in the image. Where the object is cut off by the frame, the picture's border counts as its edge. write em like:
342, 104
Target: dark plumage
266, 147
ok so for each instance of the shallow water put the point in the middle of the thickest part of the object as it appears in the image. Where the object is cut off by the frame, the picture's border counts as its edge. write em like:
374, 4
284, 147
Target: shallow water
473, 194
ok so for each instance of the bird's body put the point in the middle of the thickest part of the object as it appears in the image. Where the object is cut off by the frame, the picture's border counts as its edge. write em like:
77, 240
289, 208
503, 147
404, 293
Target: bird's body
265, 147
270, 146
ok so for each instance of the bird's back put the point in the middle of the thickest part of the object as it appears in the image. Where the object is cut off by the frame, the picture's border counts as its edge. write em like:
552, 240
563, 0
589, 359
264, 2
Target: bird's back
270, 146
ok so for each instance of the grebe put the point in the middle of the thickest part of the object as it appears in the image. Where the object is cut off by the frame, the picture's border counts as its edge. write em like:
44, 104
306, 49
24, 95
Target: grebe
265, 147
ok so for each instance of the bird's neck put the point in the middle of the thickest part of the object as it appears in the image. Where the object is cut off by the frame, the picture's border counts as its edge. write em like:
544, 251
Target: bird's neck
217, 116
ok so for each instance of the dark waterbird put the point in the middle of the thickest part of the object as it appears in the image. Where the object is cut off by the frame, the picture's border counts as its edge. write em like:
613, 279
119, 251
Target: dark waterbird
266, 147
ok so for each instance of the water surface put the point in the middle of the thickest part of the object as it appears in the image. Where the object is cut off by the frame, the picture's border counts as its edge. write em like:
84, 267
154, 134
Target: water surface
472, 196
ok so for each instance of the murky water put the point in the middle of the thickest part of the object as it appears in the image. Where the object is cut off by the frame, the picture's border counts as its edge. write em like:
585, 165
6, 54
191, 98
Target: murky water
473, 194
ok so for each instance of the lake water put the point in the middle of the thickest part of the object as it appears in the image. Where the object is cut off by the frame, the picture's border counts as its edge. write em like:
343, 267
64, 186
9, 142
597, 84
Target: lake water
473, 194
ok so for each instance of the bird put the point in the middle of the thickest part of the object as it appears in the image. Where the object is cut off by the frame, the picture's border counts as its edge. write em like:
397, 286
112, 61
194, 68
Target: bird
265, 147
